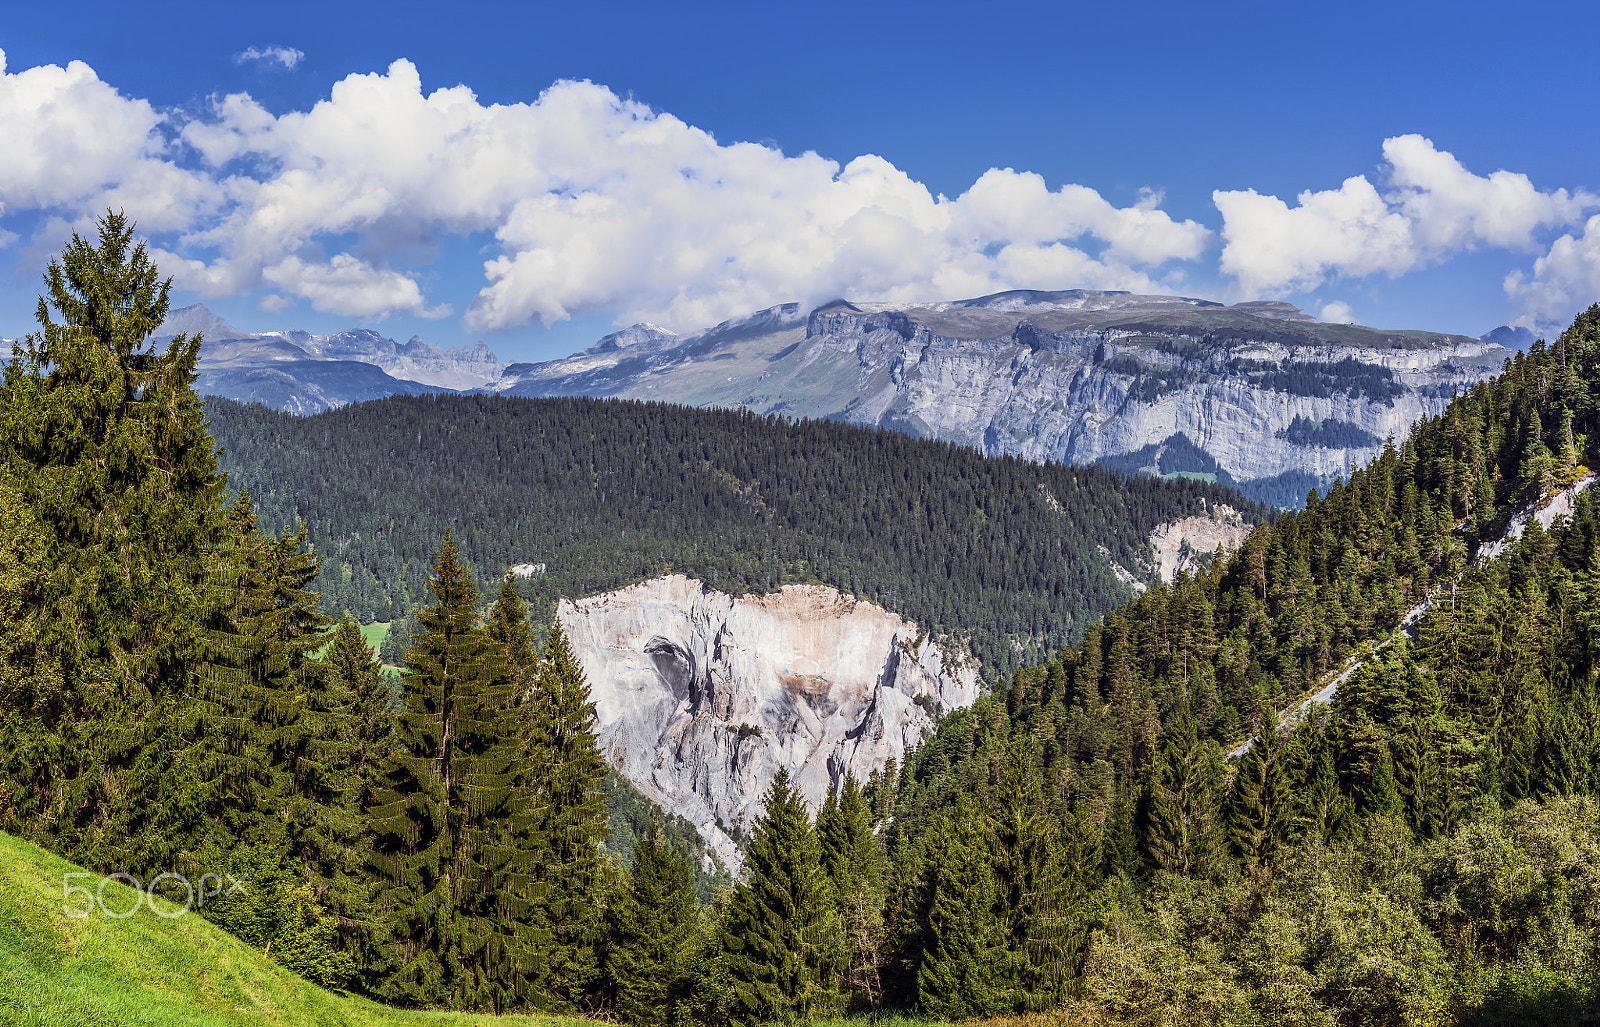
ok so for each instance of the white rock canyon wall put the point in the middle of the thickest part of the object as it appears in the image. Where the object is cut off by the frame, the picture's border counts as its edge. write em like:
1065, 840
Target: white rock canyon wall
701, 697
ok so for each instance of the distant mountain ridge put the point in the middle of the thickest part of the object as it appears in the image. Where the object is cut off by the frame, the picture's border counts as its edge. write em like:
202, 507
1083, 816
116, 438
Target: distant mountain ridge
1257, 394
305, 373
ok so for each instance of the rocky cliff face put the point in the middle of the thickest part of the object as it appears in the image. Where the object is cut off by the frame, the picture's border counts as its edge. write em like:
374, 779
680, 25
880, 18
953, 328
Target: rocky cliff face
1189, 543
1253, 393
701, 696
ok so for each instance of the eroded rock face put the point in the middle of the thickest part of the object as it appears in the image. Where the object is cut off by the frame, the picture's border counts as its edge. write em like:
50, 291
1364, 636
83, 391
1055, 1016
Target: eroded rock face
701, 697
1178, 545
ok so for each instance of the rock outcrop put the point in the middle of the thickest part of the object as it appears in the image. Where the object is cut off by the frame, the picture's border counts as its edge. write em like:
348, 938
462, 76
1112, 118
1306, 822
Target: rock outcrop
413, 360
701, 697
1187, 544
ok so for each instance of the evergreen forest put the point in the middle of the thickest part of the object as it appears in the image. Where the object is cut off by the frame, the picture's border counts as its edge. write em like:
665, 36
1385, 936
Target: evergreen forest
1146, 827
1001, 555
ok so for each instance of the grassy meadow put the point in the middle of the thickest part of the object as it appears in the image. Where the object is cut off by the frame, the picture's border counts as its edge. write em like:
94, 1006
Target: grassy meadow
151, 971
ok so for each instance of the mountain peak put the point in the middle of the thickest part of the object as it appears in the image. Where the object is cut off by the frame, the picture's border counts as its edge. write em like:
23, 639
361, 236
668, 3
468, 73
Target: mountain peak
1518, 338
1277, 310
197, 318
642, 333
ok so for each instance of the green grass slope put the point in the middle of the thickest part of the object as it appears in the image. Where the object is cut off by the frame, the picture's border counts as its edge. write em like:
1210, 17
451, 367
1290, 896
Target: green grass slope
150, 971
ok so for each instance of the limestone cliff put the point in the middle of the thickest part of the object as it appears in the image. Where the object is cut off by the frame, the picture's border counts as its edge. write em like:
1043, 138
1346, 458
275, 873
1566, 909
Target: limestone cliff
702, 696
1255, 392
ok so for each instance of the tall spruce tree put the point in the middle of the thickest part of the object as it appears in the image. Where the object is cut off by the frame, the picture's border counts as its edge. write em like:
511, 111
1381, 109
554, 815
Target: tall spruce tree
1260, 809
104, 440
1030, 896
559, 726
962, 957
278, 743
785, 951
508, 625
1184, 834
853, 860
1324, 809
453, 893
654, 935
354, 665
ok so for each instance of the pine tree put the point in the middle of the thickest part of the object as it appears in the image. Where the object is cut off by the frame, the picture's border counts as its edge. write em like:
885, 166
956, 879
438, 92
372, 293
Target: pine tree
854, 863
104, 440
654, 935
1080, 848
1564, 759
508, 625
785, 950
25, 668
1324, 809
1259, 810
1184, 835
962, 954
316, 743
279, 748
352, 663
1522, 775
1030, 899
1381, 798
562, 749
450, 820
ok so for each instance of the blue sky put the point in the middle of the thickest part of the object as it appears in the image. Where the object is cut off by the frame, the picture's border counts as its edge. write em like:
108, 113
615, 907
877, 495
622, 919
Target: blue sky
1133, 137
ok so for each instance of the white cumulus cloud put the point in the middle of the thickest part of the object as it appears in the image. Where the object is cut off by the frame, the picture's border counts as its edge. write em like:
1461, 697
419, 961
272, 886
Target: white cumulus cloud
1564, 281
1433, 207
594, 203
1338, 312
73, 143
287, 56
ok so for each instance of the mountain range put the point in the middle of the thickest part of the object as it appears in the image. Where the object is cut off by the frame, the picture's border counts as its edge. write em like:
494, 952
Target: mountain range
305, 373
1259, 395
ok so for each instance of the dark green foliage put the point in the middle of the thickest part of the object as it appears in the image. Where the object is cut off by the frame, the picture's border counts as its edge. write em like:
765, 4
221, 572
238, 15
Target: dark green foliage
455, 845
508, 625
785, 950
104, 441
962, 965
1331, 433
350, 662
853, 860
631, 815
1260, 809
1032, 892
653, 925
1185, 834
605, 493
280, 751
567, 770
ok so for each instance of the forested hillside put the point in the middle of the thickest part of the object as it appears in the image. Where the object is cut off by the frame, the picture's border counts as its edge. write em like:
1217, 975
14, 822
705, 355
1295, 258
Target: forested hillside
1425, 847
1001, 553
